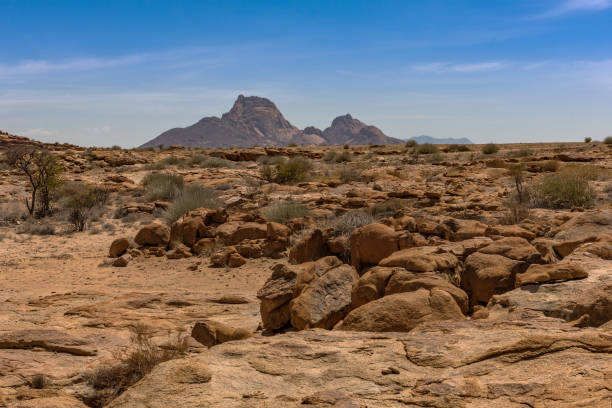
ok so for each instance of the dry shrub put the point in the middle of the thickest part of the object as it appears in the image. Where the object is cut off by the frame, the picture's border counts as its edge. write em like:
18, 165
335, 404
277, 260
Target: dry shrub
411, 143
337, 157
608, 140
490, 148
588, 172
203, 161
345, 224
109, 381
426, 148
561, 191
454, 148
162, 186
349, 174
13, 211
35, 227
284, 211
496, 163
191, 197
293, 170
386, 208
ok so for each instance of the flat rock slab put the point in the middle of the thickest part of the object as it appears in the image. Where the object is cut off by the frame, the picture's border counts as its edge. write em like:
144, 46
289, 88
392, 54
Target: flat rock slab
539, 363
47, 339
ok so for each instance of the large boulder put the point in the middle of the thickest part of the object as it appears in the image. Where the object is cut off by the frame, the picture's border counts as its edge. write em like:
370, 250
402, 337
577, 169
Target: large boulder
325, 300
466, 229
515, 248
371, 285
309, 248
154, 234
275, 296
232, 233
118, 247
486, 275
402, 312
584, 225
509, 231
371, 243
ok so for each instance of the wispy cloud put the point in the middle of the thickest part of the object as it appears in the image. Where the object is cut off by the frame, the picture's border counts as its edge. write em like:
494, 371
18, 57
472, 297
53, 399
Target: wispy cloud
571, 6
35, 67
445, 67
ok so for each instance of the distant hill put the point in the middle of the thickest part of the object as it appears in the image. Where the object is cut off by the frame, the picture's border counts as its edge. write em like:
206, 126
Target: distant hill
257, 121
434, 140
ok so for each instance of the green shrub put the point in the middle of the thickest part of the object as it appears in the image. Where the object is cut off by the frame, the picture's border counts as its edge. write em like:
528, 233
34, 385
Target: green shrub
561, 190
490, 148
284, 211
410, 143
608, 140
587, 140
293, 170
191, 197
162, 186
426, 148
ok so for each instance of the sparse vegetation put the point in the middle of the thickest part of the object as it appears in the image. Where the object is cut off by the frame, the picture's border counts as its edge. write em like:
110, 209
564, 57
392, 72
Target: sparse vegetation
454, 148
490, 148
386, 208
426, 148
561, 191
79, 199
287, 171
348, 222
587, 172
109, 381
36, 227
587, 140
348, 174
192, 196
203, 161
524, 152
608, 140
162, 186
284, 211
337, 157
435, 158
410, 143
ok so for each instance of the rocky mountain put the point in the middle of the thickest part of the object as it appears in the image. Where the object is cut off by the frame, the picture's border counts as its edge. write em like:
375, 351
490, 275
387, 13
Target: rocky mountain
257, 121
434, 140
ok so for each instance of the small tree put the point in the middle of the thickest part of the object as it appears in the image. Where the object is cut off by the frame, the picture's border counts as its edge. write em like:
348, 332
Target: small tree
43, 169
78, 199
516, 172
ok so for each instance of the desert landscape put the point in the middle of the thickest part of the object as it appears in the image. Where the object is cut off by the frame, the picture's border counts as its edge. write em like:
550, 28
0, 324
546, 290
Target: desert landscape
402, 275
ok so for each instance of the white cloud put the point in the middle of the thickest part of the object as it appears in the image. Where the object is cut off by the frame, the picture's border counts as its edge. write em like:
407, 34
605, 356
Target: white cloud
36, 67
570, 6
444, 67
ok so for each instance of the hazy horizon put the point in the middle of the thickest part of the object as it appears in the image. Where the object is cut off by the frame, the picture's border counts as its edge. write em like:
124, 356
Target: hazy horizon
119, 73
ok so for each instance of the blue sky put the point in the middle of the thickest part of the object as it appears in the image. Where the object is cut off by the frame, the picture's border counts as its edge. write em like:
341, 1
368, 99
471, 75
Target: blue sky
121, 72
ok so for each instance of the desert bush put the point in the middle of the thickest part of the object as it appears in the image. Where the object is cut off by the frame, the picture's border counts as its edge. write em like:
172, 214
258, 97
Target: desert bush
515, 211
549, 165
270, 160
458, 148
490, 148
345, 224
4, 166
203, 161
115, 147
561, 191
349, 174
284, 211
79, 199
288, 171
110, 380
588, 172
435, 158
43, 170
162, 186
34, 227
587, 140
426, 148
524, 152
386, 208
291, 145
39, 381
496, 163
410, 143
608, 140
337, 157
13, 211
191, 197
